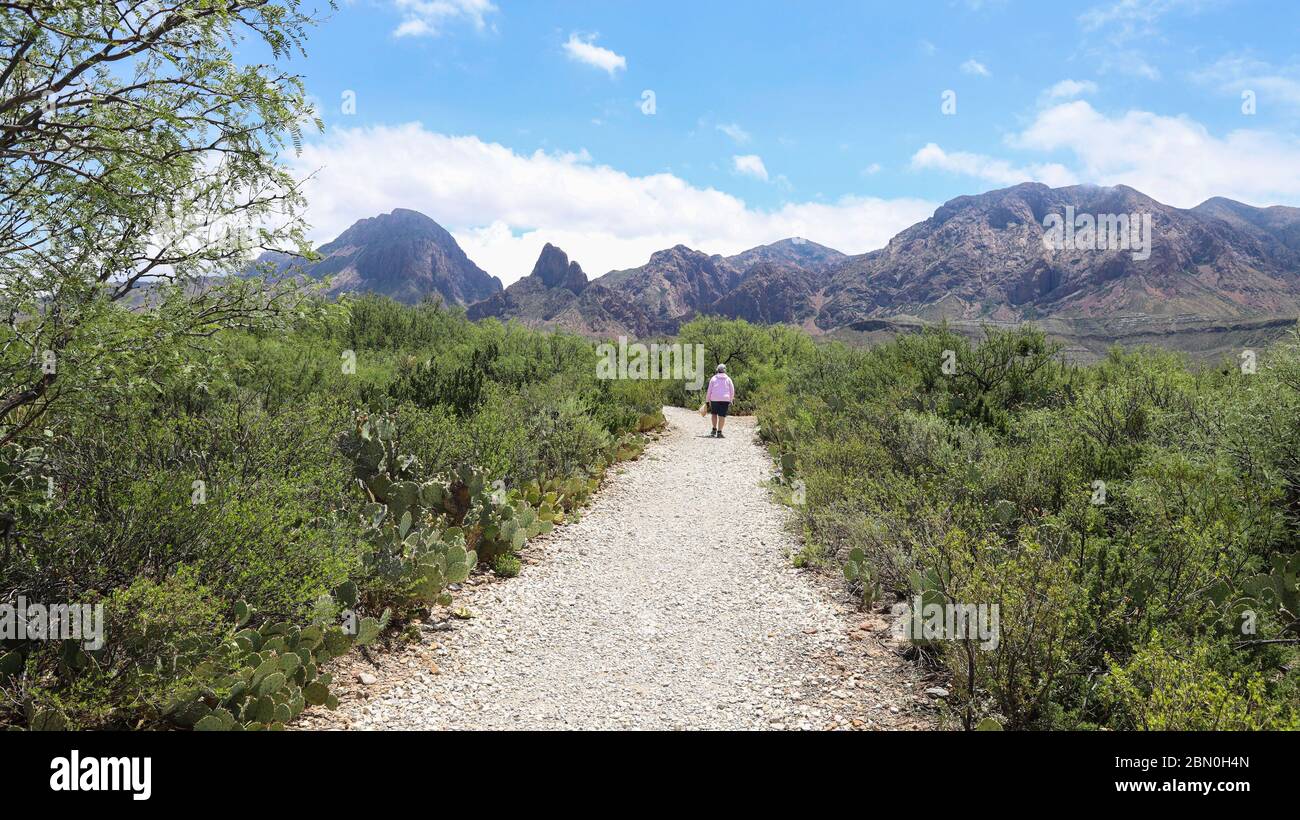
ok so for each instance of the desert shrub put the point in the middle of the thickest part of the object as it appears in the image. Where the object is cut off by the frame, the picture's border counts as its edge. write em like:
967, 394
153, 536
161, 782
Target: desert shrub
756, 356
1099, 507
160, 631
279, 527
1181, 686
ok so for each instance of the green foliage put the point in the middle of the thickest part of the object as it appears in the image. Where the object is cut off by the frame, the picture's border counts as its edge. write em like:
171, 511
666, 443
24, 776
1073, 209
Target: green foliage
758, 358
168, 432
1185, 688
130, 131
312, 515
857, 571
507, 565
1135, 521
175, 658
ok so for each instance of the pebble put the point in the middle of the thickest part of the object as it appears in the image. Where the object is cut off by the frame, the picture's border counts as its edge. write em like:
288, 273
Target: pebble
671, 604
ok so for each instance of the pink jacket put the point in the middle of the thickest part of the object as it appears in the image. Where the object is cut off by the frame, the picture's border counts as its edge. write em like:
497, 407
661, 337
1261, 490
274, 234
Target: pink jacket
721, 388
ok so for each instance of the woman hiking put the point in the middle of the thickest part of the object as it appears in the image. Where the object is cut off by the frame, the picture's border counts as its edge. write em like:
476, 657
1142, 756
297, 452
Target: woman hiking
721, 393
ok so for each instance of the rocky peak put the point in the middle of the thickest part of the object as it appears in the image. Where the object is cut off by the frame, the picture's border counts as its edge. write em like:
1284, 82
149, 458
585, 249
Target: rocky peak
554, 270
403, 254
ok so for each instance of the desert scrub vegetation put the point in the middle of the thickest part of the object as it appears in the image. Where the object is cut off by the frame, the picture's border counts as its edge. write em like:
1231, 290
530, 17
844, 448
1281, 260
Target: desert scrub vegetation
1135, 520
260, 503
248, 480
756, 356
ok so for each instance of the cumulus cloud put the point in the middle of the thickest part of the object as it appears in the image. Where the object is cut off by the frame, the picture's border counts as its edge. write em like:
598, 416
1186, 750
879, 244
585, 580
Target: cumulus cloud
427, 17
583, 49
750, 165
502, 205
1174, 159
976, 68
990, 169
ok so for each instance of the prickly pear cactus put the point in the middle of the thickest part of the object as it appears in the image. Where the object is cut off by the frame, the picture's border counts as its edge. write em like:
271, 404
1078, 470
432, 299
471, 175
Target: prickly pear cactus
428, 534
416, 528
265, 677
1278, 592
857, 571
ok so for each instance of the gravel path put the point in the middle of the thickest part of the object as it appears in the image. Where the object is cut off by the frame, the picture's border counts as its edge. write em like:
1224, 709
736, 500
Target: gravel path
672, 604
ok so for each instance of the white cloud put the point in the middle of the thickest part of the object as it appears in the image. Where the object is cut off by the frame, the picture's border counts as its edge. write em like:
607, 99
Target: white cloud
426, 17
502, 206
1069, 89
731, 129
990, 169
1234, 75
976, 68
750, 165
871, 170
1174, 159
584, 50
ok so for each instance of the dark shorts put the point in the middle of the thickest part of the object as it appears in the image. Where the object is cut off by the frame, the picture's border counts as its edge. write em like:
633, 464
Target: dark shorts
719, 408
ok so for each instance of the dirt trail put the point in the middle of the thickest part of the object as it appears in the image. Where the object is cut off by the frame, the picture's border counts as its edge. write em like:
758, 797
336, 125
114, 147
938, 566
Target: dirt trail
671, 605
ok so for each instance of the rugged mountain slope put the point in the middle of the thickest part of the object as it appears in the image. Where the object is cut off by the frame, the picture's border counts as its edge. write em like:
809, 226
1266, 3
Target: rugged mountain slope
978, 258
1277, 223
403, 254
674, 285
772, 293
539, 297
771, 283
797, 252
984, 257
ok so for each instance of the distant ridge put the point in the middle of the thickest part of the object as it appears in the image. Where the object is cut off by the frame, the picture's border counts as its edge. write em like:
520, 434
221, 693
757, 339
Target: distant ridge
403, 254
979, 258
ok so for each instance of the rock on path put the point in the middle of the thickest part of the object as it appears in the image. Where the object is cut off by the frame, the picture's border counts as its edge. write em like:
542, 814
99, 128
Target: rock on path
672, 604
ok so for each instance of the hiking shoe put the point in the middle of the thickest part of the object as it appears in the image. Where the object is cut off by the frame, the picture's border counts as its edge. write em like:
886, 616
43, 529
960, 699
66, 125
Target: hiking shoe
720, 434
713, 434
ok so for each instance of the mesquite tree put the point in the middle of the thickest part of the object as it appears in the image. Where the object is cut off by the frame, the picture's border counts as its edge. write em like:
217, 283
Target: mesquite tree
139, 146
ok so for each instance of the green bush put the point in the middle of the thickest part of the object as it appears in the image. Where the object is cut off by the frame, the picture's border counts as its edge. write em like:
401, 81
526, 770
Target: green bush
278, 525
507, 565
1128, 518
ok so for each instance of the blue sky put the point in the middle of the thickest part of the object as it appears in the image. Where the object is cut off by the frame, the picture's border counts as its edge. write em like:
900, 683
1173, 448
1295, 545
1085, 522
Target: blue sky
516, 123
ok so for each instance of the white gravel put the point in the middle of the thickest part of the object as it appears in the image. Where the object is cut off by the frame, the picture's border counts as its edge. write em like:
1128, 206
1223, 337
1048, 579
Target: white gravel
672, 604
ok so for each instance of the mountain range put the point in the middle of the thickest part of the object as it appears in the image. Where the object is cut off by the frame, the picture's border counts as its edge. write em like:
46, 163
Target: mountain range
403, 254
979, 259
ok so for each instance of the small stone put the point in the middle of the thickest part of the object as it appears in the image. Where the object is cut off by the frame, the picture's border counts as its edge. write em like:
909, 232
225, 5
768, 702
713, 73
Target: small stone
937, 692
367, 679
